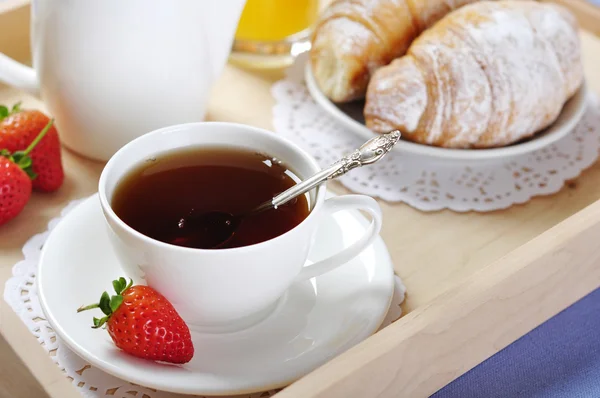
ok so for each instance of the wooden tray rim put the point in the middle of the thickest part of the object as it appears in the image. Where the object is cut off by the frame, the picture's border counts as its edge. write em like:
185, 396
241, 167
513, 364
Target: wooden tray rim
473, 320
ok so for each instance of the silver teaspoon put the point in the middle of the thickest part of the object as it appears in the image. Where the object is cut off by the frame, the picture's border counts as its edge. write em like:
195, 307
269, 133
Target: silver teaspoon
214, 228
369, 153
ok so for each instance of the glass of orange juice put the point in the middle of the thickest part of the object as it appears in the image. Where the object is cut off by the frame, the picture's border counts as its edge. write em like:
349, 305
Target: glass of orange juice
271, 33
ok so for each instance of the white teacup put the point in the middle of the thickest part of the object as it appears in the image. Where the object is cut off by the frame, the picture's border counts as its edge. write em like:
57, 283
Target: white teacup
225, 288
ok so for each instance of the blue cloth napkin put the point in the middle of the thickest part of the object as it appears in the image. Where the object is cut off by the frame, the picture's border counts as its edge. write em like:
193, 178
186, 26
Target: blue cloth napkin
560, 358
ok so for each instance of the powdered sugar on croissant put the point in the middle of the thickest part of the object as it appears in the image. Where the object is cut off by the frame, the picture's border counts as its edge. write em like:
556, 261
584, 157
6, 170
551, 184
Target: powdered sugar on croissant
486, 75
355, 37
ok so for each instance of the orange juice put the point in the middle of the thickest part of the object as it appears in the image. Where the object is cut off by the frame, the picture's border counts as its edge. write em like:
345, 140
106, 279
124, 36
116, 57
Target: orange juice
275, 20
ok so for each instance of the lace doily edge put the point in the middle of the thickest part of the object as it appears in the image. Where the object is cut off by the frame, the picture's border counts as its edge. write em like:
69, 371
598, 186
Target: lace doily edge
281, 109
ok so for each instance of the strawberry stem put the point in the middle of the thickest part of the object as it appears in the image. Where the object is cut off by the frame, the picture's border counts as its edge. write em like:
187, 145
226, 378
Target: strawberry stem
88, 307
108, 304
39, 137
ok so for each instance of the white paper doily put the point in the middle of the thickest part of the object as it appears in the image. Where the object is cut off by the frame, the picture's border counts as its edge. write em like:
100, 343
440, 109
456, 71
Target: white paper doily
21, 294
423, 184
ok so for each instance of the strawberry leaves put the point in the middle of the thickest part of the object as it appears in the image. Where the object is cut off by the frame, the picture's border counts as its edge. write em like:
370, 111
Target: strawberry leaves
115, 302
109, 304
22, 160
121, 285
105, 304
5, 112
99, 322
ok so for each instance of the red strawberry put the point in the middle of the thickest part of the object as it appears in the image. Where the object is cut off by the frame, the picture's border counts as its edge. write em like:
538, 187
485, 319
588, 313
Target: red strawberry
18, 128
143, 323
15, 178
15, 189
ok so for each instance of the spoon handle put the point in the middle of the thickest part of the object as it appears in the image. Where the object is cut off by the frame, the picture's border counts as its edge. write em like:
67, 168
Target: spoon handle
370, 152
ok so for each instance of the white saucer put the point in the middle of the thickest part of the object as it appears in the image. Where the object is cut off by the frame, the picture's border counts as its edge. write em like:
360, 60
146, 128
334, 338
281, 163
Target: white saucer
315, 321
350, 115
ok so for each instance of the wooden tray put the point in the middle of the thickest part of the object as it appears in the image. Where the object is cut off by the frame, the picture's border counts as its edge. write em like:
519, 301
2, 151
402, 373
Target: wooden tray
476, 282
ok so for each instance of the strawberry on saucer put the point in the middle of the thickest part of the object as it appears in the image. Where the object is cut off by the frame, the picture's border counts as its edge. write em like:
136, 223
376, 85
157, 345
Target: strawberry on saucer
143, 323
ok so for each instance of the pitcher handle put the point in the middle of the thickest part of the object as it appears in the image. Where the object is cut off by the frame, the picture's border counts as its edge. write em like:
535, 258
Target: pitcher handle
339, 203
18, 75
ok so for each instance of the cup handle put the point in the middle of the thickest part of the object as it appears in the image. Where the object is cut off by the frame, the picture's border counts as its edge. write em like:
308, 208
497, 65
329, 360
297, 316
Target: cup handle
339, 203
18, 75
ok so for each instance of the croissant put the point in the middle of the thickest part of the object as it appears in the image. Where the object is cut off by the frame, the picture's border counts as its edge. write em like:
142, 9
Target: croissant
486, 75
352, 38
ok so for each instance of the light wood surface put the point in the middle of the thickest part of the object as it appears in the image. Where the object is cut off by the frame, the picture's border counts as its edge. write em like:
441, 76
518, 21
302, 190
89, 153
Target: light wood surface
490, 309
462, 305
15, 379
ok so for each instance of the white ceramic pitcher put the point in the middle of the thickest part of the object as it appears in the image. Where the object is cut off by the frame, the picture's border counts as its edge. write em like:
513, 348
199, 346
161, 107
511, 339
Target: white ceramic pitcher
112, 70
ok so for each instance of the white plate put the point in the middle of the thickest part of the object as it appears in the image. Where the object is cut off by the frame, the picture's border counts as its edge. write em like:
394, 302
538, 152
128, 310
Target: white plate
351, 116
315, 321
